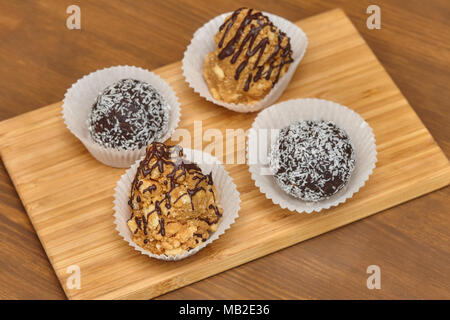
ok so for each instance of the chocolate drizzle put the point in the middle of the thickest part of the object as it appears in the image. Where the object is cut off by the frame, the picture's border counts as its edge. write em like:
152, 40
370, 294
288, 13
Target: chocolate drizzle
138, 222
157, 157
145, 222
162, 229
216, 210
150, 189
234, 47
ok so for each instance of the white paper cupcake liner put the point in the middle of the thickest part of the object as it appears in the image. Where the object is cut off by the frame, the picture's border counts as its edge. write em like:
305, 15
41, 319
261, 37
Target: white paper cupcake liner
282, 115
226, 191
79, 99
203, 43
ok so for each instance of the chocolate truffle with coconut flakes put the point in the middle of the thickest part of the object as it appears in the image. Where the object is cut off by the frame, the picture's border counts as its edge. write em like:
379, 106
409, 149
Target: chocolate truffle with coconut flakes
312, 160
128, 115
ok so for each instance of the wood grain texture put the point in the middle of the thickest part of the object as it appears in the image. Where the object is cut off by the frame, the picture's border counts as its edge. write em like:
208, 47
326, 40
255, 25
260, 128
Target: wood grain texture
41, 58
68, 194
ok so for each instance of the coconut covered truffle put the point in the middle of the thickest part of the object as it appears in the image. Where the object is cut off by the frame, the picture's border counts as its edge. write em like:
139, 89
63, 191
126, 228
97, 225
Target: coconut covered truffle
128, 115
174, 204
312, 160
251, 56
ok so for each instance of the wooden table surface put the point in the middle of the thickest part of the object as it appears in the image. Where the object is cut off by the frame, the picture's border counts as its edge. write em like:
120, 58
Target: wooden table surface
41, 58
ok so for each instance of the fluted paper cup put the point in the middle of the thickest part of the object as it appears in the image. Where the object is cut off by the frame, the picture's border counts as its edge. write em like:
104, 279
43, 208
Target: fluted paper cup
203, 43
285, 113
79, 99
226, 191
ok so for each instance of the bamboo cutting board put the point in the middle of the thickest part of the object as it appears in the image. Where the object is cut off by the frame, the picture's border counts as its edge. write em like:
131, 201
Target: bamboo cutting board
68, 195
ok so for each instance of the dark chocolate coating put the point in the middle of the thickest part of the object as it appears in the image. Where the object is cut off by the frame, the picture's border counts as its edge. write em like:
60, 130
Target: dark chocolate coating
129, 114
312, 160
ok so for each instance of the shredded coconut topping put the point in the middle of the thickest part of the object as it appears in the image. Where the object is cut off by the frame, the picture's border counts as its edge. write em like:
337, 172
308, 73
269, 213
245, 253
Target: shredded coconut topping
129, 114
312, 160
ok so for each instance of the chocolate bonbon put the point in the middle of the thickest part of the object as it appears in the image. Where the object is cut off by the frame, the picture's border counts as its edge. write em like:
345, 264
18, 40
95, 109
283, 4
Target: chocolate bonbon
312, 160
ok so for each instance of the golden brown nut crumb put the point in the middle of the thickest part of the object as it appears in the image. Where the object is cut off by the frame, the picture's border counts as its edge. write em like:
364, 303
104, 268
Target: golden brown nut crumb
251, 56
174, 205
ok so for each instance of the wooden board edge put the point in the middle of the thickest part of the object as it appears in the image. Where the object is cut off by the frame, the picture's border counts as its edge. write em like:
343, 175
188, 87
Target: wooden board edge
60, 280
